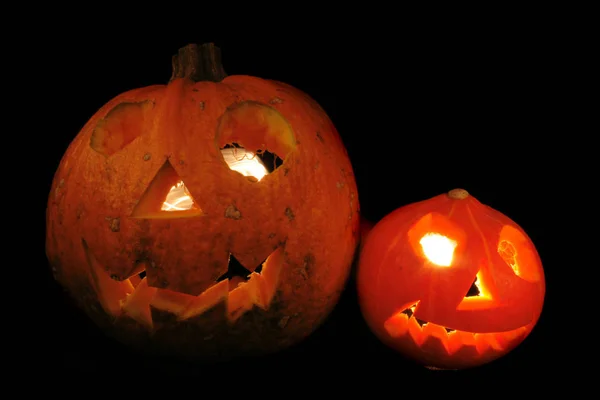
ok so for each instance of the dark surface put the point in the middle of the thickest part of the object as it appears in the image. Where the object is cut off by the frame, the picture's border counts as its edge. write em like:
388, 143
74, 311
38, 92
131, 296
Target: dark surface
418, 119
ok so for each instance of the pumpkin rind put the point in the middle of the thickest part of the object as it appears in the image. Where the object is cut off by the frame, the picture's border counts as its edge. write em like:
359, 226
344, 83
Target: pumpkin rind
306, 211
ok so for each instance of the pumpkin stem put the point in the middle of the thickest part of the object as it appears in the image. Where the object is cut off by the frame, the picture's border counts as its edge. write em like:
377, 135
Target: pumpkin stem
458, 194
198, 63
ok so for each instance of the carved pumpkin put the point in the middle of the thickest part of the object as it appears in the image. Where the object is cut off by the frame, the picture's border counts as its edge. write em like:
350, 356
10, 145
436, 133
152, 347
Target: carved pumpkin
450, 282
175, 232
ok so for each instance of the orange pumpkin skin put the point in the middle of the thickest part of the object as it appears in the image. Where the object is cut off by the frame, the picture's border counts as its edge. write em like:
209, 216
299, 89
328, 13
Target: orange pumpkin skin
420, 307
105, 224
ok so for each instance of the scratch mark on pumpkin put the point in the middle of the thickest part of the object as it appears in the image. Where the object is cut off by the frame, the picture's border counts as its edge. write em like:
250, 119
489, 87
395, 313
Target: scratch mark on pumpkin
232, 212
289, 213
283, 321
320, 137
114, 224
307, 266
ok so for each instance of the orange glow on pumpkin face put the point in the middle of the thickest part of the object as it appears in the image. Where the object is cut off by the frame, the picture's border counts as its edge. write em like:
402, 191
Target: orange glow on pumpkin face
450, 282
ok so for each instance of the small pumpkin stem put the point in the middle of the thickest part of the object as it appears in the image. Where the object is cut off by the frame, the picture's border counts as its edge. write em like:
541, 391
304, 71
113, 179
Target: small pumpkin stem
198, 63
458, 194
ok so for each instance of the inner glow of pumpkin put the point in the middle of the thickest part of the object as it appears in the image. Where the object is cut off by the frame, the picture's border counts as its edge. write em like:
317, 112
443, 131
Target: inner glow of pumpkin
245, 162
438, 249
178, 198
483, 292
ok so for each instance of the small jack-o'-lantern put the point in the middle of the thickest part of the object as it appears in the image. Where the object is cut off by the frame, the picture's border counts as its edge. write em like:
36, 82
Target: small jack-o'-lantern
450, 282
213, 216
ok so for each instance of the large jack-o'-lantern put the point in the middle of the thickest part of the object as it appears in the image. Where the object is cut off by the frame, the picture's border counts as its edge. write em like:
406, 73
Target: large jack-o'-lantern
213, 216
450, 282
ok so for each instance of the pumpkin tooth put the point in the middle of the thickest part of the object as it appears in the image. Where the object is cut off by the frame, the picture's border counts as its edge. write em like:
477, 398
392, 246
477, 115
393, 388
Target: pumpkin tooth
137, 304
173, 302
244, 297
461, 341
396, 325
435, 336
206, 300
482, 342
135, 280
486, 342
506, 339
415, 331
269, 276
137, 272
110, 291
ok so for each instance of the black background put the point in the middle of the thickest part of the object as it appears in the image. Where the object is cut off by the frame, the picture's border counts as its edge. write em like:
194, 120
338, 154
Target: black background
418, 118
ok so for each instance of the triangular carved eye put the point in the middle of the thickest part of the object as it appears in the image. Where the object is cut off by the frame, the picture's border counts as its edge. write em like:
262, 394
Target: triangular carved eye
121, 126
476, 289
166, 197
479, 295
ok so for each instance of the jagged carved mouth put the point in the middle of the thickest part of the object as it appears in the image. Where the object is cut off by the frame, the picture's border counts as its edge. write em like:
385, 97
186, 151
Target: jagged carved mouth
432, 337
239, 288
